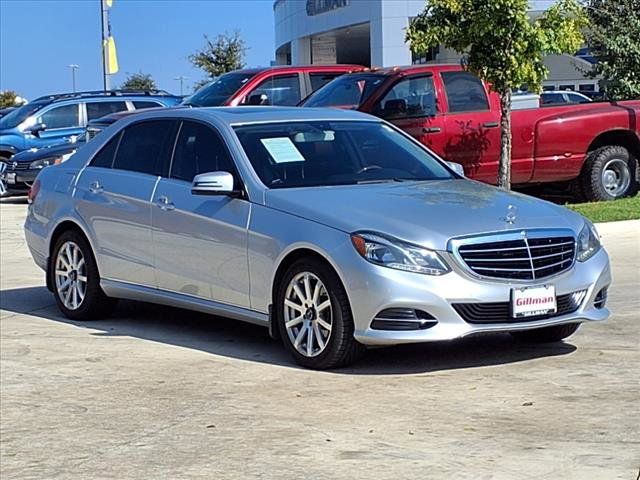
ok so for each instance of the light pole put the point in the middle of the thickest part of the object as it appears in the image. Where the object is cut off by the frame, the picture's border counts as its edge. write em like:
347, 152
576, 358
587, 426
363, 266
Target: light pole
181, 78
73, 68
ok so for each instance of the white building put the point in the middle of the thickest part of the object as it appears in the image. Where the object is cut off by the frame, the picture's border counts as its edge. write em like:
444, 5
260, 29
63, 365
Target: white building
371, 33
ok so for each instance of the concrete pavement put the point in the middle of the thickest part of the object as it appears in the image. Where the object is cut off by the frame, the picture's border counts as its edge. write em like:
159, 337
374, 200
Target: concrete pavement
154, 393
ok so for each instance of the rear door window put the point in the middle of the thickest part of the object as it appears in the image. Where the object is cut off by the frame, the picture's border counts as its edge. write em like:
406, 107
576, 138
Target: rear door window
280, 90
100, 109
199, 149
65, 116
145, 147
465, 92
146, 104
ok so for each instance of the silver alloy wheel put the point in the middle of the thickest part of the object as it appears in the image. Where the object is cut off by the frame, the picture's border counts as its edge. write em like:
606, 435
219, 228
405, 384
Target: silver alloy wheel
308, 314
616, 177
71, 275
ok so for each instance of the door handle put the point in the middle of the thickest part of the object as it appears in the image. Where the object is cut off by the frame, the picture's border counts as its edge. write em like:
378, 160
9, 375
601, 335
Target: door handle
96, 187
490, 124
165, 204
431, 130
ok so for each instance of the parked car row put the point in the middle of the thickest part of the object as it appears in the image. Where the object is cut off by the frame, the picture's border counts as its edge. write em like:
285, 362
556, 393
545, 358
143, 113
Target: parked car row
592, 147
334, 229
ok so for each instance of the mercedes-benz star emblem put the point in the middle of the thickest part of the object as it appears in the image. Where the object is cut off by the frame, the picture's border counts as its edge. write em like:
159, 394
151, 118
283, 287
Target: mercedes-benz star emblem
512, 214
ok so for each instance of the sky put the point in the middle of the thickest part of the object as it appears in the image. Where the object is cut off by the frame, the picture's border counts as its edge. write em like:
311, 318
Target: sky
40, 38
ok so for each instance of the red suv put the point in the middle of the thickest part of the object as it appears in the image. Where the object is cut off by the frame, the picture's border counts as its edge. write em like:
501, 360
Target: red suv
285, 85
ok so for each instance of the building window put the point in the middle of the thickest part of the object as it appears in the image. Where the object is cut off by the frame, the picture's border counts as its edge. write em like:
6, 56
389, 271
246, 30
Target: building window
587, 87
425, 57
567, 87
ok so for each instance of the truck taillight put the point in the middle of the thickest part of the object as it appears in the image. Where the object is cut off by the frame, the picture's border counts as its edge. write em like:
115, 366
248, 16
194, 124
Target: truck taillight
33, 191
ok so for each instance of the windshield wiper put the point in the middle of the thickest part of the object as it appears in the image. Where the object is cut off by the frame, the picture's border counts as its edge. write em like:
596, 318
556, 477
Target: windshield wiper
385, 180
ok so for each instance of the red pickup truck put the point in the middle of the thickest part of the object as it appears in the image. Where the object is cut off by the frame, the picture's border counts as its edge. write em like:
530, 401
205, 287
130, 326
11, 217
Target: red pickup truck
595, 146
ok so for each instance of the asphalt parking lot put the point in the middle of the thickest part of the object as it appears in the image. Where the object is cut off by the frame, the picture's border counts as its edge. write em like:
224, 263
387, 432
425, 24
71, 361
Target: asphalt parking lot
158, 393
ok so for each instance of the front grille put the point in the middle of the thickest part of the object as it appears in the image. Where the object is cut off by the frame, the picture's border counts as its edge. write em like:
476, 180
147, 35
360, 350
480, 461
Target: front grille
15, 166
500, 312
526, 258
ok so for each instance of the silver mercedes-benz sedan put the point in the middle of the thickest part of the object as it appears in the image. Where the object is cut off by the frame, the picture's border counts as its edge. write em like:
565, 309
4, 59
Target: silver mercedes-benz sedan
332, 228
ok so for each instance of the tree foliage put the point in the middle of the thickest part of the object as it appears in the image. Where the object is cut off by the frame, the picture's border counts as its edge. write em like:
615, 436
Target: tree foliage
501, 44
139, 81
221, 55
8, 98
614, 40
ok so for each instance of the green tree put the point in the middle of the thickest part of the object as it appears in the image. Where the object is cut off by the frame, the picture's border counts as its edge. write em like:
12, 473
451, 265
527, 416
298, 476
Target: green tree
614, 39
139, 81
502, 45
8, 98
222, 55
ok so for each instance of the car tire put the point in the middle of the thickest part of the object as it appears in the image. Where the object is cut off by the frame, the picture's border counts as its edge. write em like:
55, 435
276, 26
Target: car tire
329, 347
76, 281
546, 334
609, 174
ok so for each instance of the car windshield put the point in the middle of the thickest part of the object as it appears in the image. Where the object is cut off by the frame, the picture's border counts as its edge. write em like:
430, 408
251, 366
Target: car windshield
217, 92
19, 115
320, 153
347, 91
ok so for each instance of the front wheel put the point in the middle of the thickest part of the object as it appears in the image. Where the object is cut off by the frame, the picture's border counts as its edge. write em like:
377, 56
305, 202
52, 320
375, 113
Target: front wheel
76, 282
546, 334
609, 173
314, 316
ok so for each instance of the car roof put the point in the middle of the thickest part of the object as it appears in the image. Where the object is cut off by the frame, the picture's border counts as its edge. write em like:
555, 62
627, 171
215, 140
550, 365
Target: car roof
57, 97
412, 69
299, 68
258, 114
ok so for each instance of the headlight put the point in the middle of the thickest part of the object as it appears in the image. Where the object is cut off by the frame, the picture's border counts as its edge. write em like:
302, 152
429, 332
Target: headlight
392, 253
45, 162
588, 242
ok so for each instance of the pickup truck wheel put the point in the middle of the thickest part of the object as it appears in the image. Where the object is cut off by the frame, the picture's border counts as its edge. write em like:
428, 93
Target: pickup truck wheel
609, 174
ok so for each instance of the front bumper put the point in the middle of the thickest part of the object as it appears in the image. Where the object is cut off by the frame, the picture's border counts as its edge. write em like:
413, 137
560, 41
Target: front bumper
17, 182
372, 289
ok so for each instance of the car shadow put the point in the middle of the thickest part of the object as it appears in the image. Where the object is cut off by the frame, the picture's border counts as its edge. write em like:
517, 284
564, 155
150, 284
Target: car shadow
14, 200
233, 339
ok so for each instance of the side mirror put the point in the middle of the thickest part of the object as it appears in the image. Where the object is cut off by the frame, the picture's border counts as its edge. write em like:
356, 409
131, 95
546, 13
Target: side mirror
213, 183
456, 167
258, 99
394, 107
36, 129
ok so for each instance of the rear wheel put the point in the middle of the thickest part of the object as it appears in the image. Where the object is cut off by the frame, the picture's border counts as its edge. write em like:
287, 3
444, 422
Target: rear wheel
609, 173
314, 316
546, 334
76, 282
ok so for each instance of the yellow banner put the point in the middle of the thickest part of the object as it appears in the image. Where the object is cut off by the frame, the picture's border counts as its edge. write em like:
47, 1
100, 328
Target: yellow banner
112, 57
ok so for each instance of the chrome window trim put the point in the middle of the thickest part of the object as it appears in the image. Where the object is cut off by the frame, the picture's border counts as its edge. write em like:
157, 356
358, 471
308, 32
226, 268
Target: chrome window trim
521, 234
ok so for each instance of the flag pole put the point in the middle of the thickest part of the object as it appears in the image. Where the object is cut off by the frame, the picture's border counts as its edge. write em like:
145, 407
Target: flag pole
105, 51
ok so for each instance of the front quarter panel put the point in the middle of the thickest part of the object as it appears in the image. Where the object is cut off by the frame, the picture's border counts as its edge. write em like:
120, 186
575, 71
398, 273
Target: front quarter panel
273, 235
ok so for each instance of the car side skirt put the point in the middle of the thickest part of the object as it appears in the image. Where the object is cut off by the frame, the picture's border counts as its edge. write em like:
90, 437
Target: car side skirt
129, 291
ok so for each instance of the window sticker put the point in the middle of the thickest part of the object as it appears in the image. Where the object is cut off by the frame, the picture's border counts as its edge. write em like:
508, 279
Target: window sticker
282, 150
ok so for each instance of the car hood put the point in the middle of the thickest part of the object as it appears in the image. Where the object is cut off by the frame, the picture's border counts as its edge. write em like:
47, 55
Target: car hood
424, 213
46, 152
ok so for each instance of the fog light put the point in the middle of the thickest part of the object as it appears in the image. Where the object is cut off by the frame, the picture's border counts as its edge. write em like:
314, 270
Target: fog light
601, 298
403, 319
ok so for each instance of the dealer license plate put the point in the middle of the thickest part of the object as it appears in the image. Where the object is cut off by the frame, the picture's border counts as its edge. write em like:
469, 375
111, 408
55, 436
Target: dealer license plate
11, 178
533, 301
